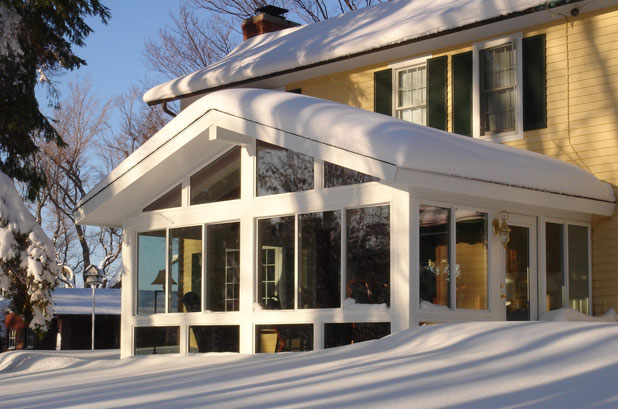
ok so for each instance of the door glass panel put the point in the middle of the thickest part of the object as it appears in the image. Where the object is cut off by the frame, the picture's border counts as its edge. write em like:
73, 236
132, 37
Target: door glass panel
517, 275
471, 259
554, 265
578, 268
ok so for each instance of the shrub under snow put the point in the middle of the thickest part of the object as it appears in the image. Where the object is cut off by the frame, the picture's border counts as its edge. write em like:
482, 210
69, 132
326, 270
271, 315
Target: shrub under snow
28, 266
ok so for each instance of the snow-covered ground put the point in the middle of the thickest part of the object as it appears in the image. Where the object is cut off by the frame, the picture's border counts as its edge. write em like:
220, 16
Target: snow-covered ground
469, 365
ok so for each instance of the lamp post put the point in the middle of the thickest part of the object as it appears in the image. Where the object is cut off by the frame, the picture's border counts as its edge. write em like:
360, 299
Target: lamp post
92, 277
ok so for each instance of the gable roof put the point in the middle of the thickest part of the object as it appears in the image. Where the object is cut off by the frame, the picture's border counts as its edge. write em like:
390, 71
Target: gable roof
382, 27
396, 151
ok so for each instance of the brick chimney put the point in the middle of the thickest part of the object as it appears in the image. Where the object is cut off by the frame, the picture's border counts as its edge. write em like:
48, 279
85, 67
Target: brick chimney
267, 20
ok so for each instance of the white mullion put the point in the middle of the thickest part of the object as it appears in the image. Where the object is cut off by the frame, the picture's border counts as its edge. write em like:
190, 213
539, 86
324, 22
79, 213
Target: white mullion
344, 257
565, 263
296, 256
168, 273
452, 259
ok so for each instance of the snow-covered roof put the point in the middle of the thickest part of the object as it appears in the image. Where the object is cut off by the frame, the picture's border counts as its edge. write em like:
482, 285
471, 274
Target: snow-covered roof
78, 301
396, 151
361, 32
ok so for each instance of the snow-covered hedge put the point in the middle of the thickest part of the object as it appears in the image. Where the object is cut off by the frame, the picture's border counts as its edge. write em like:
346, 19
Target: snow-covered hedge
28, 268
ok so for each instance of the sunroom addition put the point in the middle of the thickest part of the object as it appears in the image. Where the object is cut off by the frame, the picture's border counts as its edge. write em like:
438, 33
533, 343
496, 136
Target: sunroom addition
263, 221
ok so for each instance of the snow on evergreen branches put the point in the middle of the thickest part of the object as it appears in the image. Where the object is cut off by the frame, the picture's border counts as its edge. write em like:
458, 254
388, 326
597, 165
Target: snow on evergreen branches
28, 268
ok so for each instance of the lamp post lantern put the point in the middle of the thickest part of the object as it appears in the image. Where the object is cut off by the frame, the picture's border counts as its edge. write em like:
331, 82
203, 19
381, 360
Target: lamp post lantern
92, 277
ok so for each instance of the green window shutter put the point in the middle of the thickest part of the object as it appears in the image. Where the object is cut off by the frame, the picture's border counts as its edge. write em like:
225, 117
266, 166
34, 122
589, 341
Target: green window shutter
436, 92
383, 92
534, 87
295, 91
462, 93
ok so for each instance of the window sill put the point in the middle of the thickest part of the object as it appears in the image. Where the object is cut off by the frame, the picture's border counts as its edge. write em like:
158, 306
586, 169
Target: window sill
502, 137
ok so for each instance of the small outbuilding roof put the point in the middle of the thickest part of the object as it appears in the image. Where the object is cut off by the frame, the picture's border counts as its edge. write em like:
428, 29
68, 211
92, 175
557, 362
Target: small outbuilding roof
398, 152
78, 301
361, 32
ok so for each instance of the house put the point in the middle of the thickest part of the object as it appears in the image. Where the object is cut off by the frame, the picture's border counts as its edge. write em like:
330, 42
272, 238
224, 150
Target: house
71, 326
482, 187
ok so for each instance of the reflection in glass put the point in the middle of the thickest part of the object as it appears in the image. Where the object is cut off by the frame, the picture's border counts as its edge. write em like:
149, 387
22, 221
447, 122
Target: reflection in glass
185, 259
353, 332
157, 340
434, 242
578, 268
471, 259
518, 275
368, 255
554, 265
280, 170
335, 175
151, 272
320, 260
218, 181
276, 263
214, 338
223, 267
167, 201
283, 338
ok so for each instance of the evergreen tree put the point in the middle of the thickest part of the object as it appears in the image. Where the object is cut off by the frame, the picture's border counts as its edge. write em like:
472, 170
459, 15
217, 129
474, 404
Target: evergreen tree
36, 37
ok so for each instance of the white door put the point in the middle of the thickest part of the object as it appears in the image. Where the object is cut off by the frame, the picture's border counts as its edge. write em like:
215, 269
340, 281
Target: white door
518, 287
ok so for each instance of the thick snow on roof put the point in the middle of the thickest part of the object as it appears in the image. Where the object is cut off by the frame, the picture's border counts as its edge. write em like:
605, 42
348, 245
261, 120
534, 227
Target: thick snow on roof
472, 365
78, 301
349, 34
397, 142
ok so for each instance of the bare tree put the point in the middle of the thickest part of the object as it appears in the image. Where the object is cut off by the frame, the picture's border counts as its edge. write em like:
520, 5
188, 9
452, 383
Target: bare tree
189, 44
71, 172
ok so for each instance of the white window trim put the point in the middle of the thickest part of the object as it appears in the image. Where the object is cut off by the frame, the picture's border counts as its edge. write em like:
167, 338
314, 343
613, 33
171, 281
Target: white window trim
542, 267
518, 134
400, 66
13, 338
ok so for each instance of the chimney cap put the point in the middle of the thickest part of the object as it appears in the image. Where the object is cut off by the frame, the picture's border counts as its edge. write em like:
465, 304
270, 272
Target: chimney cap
272, 10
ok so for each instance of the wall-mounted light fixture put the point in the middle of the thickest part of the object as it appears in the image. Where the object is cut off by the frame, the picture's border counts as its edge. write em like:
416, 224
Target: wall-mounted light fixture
501, 227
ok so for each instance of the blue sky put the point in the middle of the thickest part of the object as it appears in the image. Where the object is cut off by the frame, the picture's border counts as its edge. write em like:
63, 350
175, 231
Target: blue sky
115, 52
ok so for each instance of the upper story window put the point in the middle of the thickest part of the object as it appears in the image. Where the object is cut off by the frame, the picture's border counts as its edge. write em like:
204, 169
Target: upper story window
169, 200
498, 97
218, 181
335, 175
497, 89
410, 98
281, 170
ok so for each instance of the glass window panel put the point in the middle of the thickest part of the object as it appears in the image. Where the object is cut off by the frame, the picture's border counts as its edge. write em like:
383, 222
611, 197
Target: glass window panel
283, 338
368, 255
517, 274
335, 175
351, 333
223, 267
276, 263
214, 338
218, 181
411, 94
156, 340
151, 278
554, 265
319, 260
471, 259
498, 97
434, 242
281, 170
167, 201
185, 258
579, 289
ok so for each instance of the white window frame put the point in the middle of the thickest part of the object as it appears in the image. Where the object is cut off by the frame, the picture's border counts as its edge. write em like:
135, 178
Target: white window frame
518, 133
542, 266
452, 308
12, 338
402, 66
